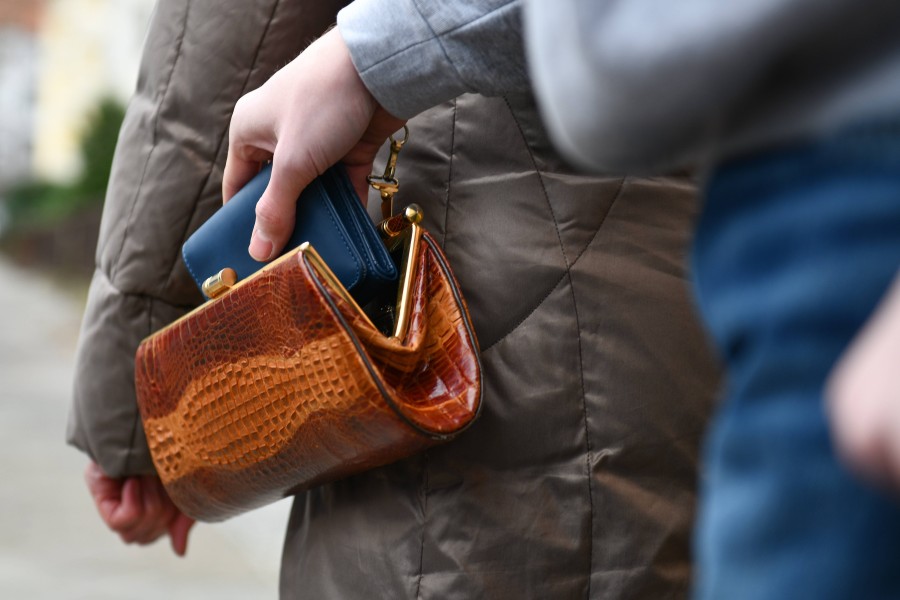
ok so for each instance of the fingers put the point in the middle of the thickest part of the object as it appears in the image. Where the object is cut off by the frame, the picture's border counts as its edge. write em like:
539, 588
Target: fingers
306, 117
179, 528
251, 142
382, 125
253, 138
157, 511
277, 208
106, 491
131, 520
146, 512
238, 172
858, 429
125, 513
863, 396
358, 161
118, 500
137, 508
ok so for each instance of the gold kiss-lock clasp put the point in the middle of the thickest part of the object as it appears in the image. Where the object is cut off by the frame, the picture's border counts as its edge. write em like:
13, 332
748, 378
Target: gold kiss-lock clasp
220, 283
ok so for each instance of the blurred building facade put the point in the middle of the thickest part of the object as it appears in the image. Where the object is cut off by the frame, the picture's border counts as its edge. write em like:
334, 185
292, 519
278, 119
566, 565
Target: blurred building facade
88, 50
19, 20
58, 59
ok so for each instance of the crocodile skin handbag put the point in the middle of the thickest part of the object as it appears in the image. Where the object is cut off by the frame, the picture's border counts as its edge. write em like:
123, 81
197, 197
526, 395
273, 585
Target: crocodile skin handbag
282, 381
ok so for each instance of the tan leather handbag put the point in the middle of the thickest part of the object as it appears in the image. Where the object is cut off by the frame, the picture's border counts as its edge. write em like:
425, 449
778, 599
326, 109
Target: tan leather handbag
283, 382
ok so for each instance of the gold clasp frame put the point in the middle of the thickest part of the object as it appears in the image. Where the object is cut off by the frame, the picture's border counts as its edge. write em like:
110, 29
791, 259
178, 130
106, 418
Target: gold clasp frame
409, 237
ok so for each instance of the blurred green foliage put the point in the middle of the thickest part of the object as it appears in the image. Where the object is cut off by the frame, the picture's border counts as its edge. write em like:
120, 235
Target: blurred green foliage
43, 203
98, 147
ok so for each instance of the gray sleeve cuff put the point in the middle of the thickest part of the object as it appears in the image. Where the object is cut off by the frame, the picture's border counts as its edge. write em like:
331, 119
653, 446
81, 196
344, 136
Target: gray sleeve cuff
413, 56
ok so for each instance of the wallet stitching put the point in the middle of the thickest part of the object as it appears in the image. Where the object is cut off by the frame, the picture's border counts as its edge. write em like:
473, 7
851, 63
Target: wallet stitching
379, 262
332, 210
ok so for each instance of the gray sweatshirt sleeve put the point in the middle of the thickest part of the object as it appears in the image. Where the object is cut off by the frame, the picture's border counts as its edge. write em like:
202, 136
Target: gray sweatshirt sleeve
628, 85
414, 54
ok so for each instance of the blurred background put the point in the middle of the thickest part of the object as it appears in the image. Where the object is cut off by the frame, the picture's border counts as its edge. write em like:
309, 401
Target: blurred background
67, 70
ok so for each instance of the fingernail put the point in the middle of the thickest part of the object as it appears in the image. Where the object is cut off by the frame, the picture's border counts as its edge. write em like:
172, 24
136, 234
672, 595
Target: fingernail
260, 246
176, 548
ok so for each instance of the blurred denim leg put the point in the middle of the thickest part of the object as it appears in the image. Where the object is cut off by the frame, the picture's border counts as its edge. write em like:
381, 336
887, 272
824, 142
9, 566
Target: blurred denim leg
792, 253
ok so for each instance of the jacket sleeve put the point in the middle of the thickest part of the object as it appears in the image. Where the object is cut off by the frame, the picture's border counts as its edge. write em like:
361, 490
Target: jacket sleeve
199, 58
642, 85
415, 54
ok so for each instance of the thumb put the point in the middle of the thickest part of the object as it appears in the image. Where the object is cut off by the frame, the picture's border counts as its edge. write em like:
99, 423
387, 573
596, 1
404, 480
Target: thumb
179, 529
277, 208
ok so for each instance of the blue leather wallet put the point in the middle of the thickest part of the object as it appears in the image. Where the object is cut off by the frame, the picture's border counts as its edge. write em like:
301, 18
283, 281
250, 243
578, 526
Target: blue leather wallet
329, 216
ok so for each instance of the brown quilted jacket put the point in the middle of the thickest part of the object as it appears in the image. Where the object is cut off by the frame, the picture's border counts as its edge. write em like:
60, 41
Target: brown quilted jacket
579, 479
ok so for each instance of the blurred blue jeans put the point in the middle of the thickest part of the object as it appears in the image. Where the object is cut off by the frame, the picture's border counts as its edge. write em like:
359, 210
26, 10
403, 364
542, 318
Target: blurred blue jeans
793, 251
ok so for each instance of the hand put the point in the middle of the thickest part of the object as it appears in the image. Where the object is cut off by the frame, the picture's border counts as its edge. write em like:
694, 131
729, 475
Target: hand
138, 509
314, 112
863, 396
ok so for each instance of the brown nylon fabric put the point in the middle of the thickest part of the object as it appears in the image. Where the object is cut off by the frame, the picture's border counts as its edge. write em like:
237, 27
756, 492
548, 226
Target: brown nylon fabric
578, 480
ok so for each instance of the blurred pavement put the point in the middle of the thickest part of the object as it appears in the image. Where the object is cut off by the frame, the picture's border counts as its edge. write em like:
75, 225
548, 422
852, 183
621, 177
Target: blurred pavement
52, 543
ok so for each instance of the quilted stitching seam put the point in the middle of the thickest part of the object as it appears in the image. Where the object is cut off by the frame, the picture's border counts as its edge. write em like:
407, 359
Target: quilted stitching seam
222, 139
137, 192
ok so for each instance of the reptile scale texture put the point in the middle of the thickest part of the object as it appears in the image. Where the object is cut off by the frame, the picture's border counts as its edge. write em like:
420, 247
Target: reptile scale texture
280, 384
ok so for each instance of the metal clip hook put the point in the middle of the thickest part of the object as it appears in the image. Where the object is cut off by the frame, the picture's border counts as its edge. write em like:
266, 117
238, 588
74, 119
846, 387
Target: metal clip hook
387, 184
